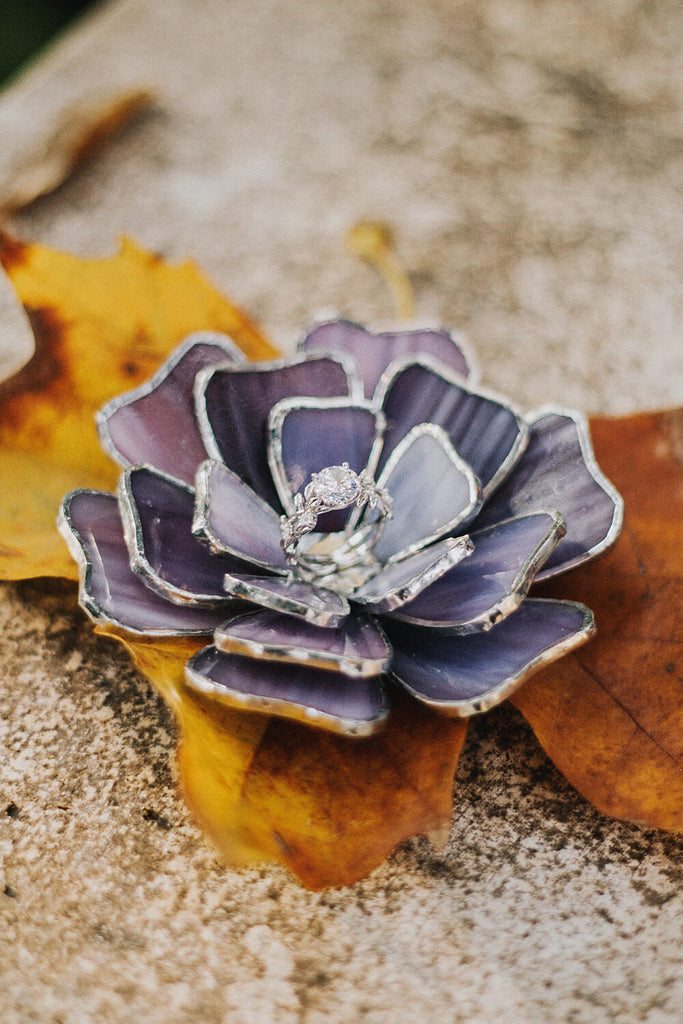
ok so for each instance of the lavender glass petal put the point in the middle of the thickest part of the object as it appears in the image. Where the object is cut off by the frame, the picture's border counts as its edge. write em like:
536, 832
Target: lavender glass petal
307, 437
374, 352
486, 433
402, 581
357, 648
558, 470
329, 700
290, 596
232, 519
233, 408
466, 674
433, 492
109, 590
157, 517
156, 423
493, 581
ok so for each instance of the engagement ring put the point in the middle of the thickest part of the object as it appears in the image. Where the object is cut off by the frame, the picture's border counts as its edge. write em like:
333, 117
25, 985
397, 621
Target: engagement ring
334, 487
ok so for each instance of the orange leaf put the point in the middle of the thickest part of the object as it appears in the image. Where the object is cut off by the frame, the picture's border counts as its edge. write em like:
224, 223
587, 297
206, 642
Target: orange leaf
611, 714
101, 327
330, 809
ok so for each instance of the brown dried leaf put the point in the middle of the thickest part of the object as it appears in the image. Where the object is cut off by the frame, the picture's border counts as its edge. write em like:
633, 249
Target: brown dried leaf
611, 714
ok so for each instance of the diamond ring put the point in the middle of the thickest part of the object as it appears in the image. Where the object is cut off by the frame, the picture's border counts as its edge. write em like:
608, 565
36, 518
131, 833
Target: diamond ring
334, 487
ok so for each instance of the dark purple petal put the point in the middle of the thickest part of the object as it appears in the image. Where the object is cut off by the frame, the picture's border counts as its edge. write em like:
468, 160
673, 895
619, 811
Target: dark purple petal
156, 513
233, 520
290, 596
433, 492
306, 435
463, 675
558, 470
402, 581
156, 423
373, 353
328, 700
233, 405
357, 648
491, 584
488, 434
109, 591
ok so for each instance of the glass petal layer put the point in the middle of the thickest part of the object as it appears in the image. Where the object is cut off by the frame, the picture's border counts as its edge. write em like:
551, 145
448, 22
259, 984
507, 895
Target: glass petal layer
494, 580
358, 648
373, 353
290, 596
233, 405
306, 435
156, 423
231, 518
328, 700
463, 675
433, 490
156, 512
558, 470
400, 582
109, 591
487, 433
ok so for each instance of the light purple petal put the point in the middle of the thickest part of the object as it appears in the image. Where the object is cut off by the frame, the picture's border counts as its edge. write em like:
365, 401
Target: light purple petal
494, 580
373, 353
109, 591
433, 490
231, 519
156, 512
357, 648
486, 432
400, 582
290, 596
156, 423
463, 675
306, 435
328, 700
233, 405
558, 470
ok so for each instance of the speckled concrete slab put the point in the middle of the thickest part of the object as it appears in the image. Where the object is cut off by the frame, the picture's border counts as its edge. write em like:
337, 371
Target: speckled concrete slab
529, 158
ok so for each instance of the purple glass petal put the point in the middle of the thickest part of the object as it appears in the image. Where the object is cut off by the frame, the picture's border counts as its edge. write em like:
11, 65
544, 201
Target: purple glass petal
328, 700
463, 675
374, 352
400, 582
558, 470
109, 591
433, 492
488, 434
306, 435
290, 596
155, 423
493, 581
232, 519
233, 405
358, 648
156, 512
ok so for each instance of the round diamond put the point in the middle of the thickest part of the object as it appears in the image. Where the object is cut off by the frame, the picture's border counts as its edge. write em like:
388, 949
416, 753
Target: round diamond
334, 486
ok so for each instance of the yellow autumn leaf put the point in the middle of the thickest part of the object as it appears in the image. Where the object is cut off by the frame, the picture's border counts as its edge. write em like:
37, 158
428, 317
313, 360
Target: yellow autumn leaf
328, 808
101, 327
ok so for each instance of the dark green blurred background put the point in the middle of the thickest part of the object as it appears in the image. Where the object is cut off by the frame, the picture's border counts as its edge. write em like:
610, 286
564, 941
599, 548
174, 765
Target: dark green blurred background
28, 25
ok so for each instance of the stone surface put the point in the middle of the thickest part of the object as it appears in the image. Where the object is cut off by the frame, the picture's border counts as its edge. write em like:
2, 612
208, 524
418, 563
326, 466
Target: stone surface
528, 156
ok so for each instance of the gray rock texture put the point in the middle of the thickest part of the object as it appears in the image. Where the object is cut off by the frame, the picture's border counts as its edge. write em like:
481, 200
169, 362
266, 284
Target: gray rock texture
528, 154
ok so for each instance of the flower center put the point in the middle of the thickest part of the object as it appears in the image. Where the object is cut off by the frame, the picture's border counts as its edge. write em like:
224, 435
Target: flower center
333, 488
